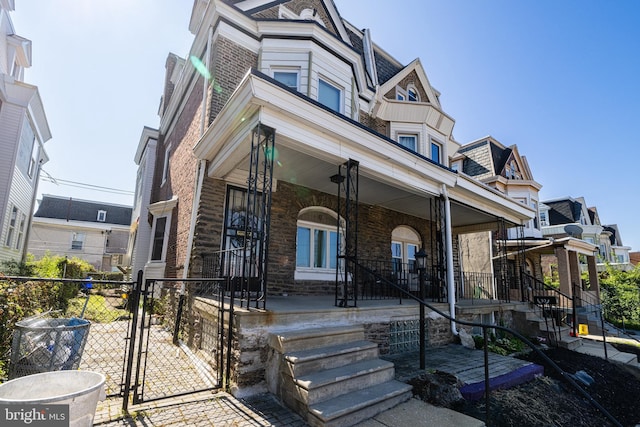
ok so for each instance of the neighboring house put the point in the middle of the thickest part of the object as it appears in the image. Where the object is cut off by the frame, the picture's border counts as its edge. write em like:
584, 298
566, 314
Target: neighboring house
23, 132
93, 231
635, 258
619, 254
570, 216
504, 169
140, 226
296, 158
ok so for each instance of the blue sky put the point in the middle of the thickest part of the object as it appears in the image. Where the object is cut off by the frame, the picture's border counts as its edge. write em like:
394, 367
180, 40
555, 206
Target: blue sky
557, 78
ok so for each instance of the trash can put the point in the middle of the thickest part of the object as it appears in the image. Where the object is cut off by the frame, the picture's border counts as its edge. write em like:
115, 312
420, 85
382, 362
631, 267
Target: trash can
47, 344
80, 390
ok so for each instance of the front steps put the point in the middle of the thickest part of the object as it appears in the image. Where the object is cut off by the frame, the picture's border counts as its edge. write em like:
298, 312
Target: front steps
532, 324
333, 377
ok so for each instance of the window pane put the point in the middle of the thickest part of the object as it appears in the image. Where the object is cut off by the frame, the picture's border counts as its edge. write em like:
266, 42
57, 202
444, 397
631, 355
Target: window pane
333, 249
320, 256
411, 256
413, 95
287, 78
158, 239
435, 152
396, 256
329, 95
408, 141
303, 249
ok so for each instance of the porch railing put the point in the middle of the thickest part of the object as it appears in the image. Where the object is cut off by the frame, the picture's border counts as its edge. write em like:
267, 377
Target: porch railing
239, 273
475, 286
378, 279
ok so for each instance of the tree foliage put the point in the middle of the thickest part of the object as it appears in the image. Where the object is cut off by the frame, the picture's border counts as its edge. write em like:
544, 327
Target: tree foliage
621, 295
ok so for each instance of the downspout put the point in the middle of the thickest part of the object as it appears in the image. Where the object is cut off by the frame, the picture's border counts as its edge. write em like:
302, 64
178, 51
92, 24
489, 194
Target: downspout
202, 167
451, 286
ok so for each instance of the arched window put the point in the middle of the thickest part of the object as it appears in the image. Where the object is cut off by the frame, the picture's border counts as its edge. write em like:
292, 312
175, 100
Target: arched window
412, 94
405, 242
316, 244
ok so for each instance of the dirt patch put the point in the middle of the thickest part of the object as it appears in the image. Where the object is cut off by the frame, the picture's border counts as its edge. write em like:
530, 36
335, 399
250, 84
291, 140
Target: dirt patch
550, 401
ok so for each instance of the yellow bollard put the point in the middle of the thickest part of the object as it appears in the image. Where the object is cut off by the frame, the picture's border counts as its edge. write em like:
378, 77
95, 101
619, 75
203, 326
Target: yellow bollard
583, 329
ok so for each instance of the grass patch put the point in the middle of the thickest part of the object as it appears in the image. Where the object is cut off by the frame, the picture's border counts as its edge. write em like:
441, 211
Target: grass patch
97, 309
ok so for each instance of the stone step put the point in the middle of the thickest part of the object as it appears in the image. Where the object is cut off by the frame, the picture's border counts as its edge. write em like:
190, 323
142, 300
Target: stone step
302, 362
349, 409
288, 341
570, 343
326, 384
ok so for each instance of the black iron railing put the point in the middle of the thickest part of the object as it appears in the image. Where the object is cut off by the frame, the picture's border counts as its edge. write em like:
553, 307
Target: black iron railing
376, 279
475, 286
557, 308
405, 293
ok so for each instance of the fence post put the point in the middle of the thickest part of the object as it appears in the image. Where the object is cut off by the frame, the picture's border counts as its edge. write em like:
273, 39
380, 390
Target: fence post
132, 341
487, 388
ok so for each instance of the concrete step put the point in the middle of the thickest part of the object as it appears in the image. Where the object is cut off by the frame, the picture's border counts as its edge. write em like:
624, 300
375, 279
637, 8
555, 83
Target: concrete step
302, 362
349, 409
323, 385
286, 342
570, 343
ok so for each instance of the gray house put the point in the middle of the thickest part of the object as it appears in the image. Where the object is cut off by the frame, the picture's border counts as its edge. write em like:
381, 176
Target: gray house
23, 132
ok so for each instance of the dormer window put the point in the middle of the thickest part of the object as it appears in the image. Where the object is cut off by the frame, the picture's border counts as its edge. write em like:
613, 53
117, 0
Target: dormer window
409, 94
412, 94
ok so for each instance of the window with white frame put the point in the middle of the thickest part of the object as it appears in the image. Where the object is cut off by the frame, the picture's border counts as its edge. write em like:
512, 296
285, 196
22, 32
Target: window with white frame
21, 228
534, 205
316, 241
404, 245
289, 78
157, 245
77, 241
102, 216
412, 94
543, 219
409, 141
436, 152
13, 218
329, 95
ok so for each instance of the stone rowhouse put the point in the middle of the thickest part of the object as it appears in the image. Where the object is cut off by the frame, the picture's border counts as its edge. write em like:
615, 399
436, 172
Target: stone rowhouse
329, 95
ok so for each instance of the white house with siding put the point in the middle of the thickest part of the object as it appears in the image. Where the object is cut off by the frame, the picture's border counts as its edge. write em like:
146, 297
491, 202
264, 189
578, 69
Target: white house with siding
23, 132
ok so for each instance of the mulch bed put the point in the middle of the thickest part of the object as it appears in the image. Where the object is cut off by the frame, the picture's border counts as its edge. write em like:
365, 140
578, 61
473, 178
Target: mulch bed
550, 401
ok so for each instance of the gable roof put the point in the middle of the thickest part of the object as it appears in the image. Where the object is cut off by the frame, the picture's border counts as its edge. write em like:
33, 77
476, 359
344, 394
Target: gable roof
69, 209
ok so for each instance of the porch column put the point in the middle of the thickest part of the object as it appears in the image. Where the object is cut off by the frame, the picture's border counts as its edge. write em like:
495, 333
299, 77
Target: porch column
576, 280
593, 276
564, 272
451, 286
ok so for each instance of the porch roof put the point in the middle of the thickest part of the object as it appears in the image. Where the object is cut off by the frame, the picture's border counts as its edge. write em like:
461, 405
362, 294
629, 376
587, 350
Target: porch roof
312, 141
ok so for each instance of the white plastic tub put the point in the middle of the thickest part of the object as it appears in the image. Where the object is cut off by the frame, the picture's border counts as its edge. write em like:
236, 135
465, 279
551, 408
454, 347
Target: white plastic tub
81, 390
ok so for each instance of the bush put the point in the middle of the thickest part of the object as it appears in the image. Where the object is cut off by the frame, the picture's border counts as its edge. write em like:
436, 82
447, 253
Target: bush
19, 300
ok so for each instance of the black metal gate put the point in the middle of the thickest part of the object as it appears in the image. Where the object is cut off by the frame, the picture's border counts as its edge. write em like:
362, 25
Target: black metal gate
173, 351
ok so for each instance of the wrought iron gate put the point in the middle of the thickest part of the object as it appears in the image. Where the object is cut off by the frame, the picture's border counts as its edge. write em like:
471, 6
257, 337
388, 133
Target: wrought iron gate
161, 360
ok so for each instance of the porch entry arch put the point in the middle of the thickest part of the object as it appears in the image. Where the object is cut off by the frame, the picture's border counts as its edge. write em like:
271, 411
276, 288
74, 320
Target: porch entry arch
317, 243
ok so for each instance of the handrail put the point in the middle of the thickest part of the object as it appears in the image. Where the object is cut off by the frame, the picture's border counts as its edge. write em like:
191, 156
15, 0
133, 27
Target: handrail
559, 310
485, 327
